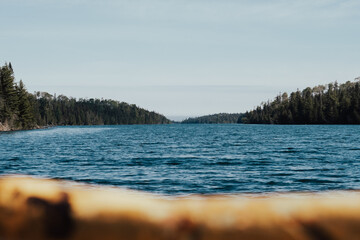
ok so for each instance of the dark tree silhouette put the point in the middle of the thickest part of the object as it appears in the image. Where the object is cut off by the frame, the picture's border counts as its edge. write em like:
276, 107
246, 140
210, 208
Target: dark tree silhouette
330, 104
22, 110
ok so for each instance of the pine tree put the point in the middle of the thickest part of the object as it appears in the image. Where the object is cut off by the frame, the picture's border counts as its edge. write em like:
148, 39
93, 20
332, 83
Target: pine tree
8, 91
24, 108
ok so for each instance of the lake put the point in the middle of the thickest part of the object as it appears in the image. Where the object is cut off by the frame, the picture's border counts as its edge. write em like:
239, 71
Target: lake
191, 159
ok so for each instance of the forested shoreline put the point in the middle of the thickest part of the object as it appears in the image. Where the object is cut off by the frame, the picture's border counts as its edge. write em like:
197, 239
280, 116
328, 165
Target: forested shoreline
219, 118
20, 109
323, 104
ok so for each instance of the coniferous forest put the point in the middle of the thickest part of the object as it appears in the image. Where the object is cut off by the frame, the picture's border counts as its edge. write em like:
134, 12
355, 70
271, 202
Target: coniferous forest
323, 104
22, 110
215, 118
329, 104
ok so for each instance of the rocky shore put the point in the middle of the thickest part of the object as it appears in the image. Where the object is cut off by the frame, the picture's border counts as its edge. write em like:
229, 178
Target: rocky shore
4, 127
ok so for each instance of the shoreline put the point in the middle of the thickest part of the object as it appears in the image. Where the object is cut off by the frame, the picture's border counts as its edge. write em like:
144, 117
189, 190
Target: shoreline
7, 128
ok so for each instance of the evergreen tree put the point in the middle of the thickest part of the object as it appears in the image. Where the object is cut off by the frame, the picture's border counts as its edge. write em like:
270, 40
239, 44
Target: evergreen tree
215, 118
331, 104
21, 110
25, 114
8, 92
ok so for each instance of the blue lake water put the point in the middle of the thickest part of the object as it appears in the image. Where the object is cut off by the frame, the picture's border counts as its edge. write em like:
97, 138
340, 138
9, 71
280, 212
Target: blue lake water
191, 159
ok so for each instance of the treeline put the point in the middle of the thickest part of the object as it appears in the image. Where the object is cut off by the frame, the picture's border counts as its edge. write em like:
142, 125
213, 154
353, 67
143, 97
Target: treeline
15, 108
61, 110
22, 110
215, 118
329, 104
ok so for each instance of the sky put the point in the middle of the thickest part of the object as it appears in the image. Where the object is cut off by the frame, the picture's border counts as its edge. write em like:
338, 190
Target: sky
180, 58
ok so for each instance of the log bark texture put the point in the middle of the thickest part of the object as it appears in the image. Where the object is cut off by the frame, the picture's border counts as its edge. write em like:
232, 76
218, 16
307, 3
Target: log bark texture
32, 208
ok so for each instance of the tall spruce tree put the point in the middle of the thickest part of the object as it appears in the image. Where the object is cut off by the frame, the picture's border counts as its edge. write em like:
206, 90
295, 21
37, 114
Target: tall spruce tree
8, 92
25, 116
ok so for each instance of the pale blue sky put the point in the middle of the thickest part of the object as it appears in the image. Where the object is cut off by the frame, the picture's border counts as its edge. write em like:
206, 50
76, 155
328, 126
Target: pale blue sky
180, 58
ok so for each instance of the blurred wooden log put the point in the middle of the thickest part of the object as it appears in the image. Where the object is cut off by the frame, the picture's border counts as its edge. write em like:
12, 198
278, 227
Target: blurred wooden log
48, 209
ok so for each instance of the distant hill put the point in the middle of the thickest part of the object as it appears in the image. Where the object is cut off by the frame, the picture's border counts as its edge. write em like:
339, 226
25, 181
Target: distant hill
215, 118
22, 110
323, 104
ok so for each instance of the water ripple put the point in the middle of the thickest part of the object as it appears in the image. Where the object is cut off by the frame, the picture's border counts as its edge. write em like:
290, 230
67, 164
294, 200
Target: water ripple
190, 159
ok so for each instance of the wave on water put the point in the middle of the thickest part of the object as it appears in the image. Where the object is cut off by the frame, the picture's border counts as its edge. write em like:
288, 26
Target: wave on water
190, 159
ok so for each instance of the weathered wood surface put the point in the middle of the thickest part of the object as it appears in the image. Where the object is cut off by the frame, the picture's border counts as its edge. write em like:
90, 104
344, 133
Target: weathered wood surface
49, 209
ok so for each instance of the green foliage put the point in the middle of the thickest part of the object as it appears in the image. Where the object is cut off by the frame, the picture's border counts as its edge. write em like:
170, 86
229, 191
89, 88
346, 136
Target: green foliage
8, 98
330, 104
22, 110
26, 119
51, 110
215, 118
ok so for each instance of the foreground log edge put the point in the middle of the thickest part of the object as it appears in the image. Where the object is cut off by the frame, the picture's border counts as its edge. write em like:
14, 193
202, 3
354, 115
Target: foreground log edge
32, 208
